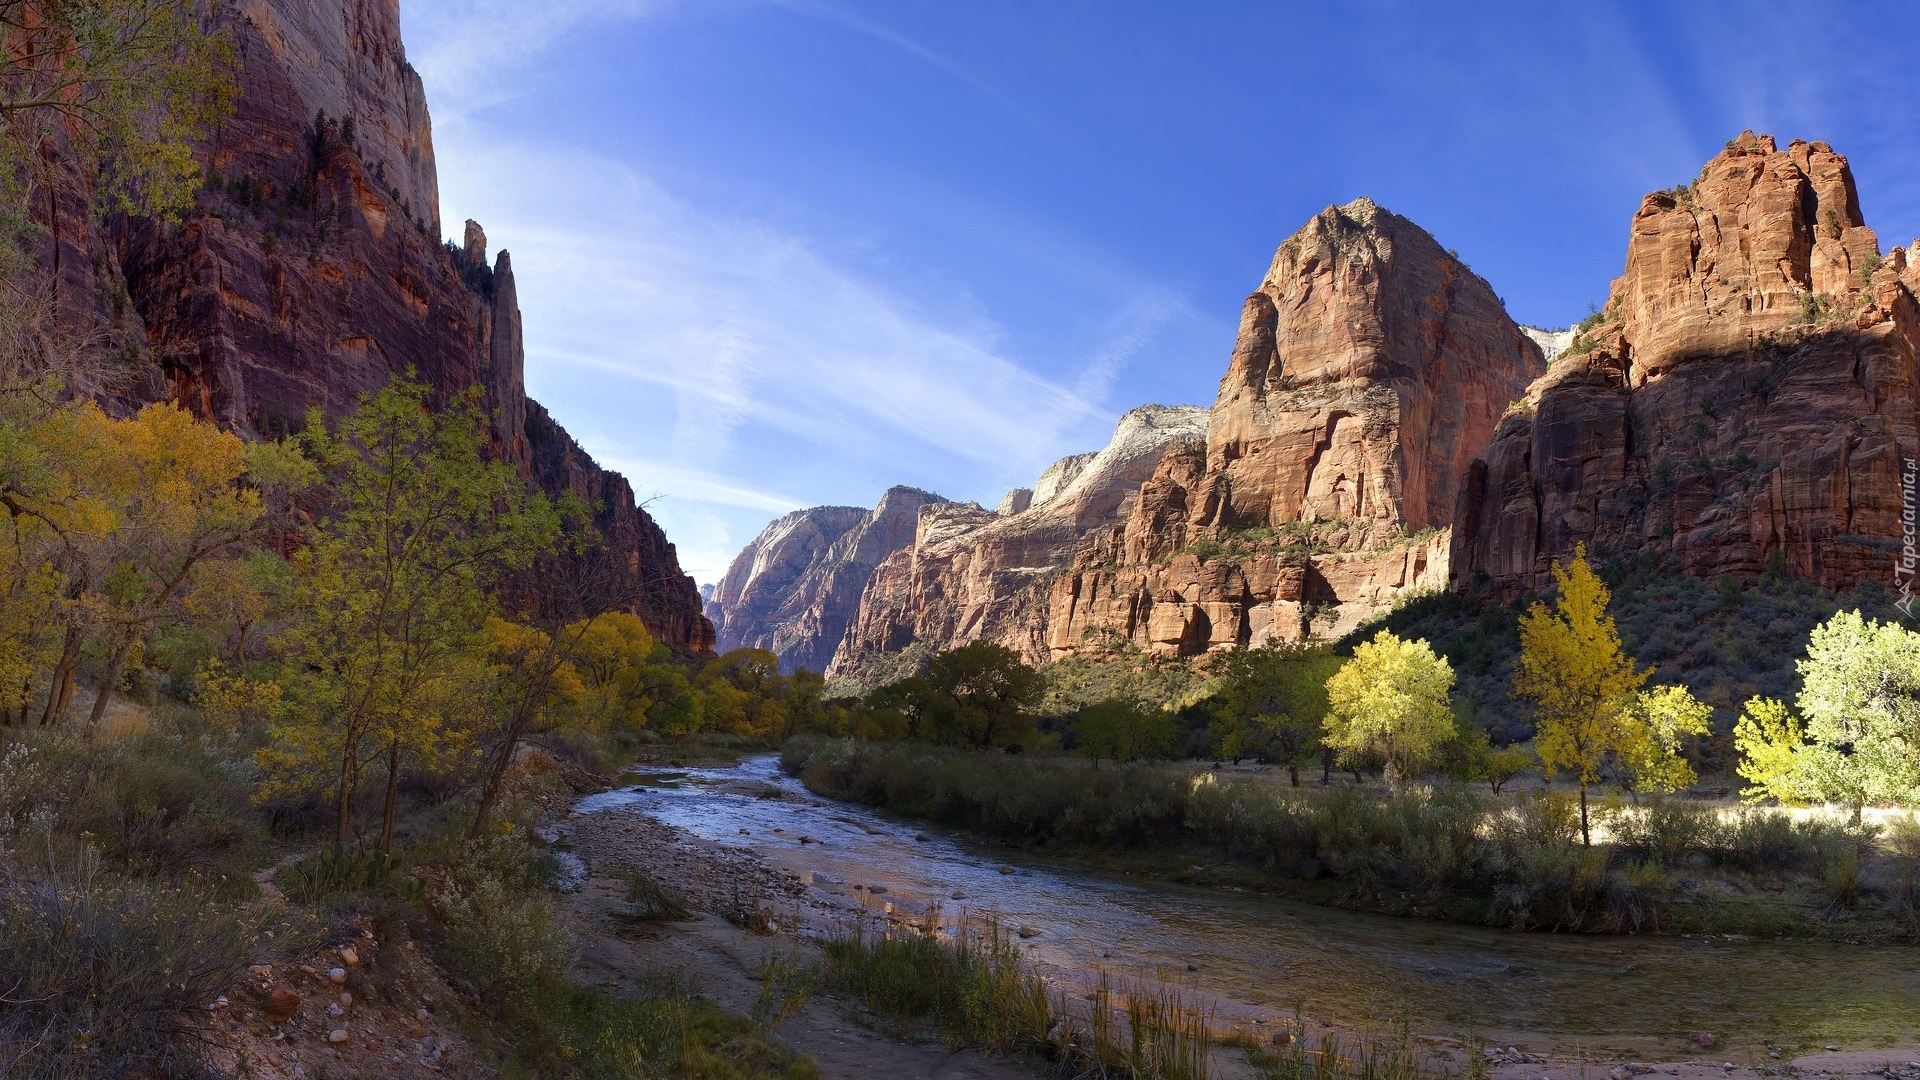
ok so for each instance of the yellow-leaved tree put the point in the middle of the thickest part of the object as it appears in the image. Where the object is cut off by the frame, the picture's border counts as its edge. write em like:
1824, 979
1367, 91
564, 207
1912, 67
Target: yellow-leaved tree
1590, 713
1391, 701
393, 593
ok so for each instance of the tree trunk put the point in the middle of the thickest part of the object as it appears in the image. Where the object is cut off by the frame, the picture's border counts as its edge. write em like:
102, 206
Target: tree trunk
60, 688
1293, 772
343, 803
107, 685
497, 775
389, 812
1586, 838
1326, 767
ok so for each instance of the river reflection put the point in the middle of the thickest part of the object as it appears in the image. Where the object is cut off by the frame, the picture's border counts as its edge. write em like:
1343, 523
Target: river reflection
1622, 995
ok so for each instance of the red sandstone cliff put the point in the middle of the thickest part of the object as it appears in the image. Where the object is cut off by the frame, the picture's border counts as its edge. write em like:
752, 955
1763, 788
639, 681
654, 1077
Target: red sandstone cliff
1746, 396
312, 271
1371, 367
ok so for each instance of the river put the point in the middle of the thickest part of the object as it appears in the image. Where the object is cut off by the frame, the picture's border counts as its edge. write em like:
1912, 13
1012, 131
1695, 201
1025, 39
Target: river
1607, 995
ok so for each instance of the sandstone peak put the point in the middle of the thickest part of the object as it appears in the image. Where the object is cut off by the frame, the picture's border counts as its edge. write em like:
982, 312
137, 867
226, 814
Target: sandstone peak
1762, 240
475, 243
1088, 487
1370, 366
1744, 400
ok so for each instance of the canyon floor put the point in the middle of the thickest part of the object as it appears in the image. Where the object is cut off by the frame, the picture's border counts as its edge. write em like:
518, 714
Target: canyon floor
725, 961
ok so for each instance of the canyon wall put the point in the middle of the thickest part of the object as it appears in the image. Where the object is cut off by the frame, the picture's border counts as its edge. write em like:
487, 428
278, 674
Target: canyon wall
973, 574
1370, 369
1745, 400
795, 588
312, 271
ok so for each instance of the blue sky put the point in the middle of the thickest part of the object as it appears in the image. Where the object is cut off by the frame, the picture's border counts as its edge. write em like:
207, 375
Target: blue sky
778, 253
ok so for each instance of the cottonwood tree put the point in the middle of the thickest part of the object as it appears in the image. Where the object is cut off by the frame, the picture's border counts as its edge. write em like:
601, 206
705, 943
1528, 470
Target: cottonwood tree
1123, 731
394, 589
1657, 722
179, 495
1278, 694
1392, 700
991, 691
1590, 712
576, 626
1860, 697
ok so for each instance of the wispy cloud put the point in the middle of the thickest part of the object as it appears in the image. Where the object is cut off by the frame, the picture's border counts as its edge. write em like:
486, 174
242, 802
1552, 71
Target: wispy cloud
724, 362
735, 366
472, 53
842, 17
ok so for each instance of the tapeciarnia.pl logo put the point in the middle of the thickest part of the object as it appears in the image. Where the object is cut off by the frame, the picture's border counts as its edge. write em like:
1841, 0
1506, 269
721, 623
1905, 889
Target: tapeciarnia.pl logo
1903, 569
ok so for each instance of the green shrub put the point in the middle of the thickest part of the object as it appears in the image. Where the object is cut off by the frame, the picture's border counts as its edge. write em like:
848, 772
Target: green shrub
105, 976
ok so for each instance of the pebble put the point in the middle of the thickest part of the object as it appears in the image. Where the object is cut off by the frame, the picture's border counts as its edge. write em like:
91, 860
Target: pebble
421, 1014
336, 976
265, 971
282, 1002
335, 1009
346, 999
1006, 869
808, 840
348, 956
922, 837
959, 894
1833, 1046
1707, 1039
337, 1035
1029, 931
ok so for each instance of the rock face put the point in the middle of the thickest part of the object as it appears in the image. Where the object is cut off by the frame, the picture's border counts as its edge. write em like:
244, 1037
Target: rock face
312, 272
795, 588
973, 574
1745, 399
1370, 369
1371, 366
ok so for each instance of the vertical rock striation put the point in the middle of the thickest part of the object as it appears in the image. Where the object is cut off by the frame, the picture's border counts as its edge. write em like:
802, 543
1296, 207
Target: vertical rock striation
1746, 397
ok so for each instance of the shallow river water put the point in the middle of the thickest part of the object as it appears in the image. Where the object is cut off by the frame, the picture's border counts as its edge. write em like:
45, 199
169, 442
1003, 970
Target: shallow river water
1631, 995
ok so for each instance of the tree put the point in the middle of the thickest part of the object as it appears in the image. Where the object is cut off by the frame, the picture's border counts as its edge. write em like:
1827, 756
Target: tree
1860, 696
1279, 693
992, 692
236, 594
1122, 731
1391, 700
395, 587
1770, 741
1582, 686
903, 706
1655, 725
178, 500
128, 86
